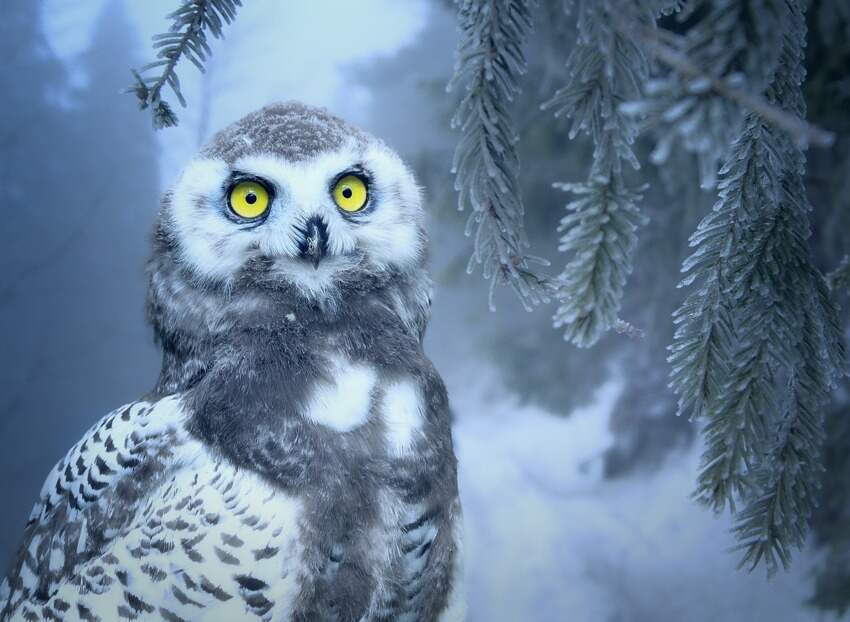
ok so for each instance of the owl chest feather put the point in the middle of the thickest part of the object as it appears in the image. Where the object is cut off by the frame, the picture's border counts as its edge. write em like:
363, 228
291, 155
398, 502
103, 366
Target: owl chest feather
355, 427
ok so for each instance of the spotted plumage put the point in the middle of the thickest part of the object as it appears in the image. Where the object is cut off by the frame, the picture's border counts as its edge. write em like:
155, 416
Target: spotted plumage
294, 460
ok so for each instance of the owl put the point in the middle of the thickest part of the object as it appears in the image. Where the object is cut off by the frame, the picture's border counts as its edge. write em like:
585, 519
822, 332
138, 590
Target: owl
294, 459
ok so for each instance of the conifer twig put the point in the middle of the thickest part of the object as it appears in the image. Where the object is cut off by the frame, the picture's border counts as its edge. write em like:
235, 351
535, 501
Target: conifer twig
187, 38
803, 132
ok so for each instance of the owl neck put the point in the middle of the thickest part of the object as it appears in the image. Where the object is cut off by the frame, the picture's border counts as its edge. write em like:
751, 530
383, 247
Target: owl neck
194, 323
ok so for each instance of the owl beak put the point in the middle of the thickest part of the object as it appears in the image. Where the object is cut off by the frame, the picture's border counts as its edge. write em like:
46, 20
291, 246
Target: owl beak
314, 244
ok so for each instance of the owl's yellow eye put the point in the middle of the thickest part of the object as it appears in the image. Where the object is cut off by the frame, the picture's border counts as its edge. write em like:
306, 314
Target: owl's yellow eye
350, 193
249, 200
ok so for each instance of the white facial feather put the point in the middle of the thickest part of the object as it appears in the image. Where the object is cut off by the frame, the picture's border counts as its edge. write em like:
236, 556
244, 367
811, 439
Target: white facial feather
215, 248
210, 245
314, 283
393, 230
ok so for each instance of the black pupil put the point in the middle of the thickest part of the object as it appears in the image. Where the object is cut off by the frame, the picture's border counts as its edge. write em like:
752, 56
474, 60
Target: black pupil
250, 198
346, 192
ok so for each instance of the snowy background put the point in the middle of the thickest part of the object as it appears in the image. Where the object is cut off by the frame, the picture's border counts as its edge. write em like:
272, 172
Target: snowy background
549, 536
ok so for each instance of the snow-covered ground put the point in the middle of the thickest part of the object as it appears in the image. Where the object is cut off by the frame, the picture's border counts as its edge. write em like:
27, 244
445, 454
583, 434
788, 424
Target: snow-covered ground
547, 539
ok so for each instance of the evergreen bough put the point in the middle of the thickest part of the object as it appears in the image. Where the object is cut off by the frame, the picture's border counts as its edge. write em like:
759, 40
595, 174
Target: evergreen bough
606, 68
758, 345
187, 38
490, 61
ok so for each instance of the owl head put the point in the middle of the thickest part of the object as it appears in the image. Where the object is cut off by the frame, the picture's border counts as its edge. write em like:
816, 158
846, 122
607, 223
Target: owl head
293, 196
288, 213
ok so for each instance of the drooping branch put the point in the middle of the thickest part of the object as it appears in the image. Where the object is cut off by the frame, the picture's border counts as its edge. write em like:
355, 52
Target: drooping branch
666, 48
709, 77
187, 38
606, 68
758, 345
489, 64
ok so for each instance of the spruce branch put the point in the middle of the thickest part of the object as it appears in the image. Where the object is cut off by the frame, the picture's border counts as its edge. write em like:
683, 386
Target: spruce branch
705, 335
490, 61
714, 73
186, 38
599, 232
803, 132
776, 518
759, 345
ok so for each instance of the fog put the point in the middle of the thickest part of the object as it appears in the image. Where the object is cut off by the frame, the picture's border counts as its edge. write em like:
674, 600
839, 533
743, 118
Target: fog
550, 533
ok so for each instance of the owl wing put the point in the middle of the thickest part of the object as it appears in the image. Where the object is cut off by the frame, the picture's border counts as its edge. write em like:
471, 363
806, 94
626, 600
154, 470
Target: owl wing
91, 494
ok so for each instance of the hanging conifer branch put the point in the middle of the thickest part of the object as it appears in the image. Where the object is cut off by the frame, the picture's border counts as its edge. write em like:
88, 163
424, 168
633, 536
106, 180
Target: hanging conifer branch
758, 346
490, 61
703, 335
187, 38
714, 74
606, 68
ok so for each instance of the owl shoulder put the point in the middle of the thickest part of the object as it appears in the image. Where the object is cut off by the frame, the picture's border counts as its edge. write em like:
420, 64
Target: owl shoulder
93, 492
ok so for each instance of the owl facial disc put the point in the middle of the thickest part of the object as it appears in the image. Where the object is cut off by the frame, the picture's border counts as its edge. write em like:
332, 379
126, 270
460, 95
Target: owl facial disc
294, 196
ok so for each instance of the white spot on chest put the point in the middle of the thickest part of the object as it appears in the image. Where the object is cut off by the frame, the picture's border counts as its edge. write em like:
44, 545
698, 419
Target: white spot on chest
402, 414
343, 403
